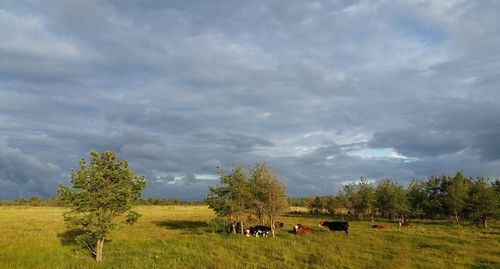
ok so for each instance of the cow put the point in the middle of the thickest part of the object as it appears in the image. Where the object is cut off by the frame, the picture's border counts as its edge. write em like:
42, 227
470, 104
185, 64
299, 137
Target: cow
378, 226
258, 231
404, 224
336, 225
301, 229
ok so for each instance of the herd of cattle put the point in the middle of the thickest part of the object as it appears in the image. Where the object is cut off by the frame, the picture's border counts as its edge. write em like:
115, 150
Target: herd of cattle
265, 231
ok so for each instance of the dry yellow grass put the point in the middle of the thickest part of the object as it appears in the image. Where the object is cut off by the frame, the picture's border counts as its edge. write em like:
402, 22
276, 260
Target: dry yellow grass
176, 237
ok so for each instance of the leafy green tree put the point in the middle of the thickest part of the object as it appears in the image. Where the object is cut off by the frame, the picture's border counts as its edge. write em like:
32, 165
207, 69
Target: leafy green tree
218, 199
269, 193
101, 193
309, 202
297, 201
483, 202
331, 205
21, 201
317, 205
343, 202
391, 199
417, 198
231, 198
456, 192
36, 200
242, 196
361, 197
496, 185
54, 201
435, 197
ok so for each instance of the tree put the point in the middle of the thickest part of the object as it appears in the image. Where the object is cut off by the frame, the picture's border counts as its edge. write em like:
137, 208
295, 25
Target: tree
316, 205
483, 201
361, 196
434, 189
36, 200
101, 192
269, 193
21, 201
54, 201
343, 202
310, 202
417, 198
332, 203
391, 199
231, 198
456, 189
496, 185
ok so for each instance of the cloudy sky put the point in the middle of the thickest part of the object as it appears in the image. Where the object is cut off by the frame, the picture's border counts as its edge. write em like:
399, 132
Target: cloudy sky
323, 91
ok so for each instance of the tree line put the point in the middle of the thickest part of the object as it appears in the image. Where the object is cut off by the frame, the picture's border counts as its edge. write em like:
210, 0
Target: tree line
454, 197
103, 191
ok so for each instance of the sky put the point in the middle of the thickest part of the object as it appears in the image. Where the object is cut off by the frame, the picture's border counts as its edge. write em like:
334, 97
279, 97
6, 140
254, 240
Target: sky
324, 92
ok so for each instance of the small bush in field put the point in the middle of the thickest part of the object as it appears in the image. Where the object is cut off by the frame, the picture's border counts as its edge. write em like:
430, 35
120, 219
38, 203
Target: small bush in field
217, 225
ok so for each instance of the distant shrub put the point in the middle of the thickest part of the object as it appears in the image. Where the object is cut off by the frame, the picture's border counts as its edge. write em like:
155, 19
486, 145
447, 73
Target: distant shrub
36, 201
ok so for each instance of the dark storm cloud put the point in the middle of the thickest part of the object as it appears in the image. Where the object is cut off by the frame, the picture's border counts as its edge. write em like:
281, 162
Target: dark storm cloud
22, 175
323, 91
417, 142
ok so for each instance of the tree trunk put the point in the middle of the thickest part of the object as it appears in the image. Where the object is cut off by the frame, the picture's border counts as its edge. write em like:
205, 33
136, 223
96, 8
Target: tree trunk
456, 216
241, 227
98, 249
233, 225
484, 223
273, 227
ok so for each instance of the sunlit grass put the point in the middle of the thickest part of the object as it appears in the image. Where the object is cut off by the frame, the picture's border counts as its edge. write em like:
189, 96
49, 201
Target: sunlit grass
176, 237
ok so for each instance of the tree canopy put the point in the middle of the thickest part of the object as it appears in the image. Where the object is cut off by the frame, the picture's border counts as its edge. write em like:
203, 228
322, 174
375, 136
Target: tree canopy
242, 192
100, 192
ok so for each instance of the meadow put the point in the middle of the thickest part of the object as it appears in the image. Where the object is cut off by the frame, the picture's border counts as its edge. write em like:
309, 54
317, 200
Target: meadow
177, 237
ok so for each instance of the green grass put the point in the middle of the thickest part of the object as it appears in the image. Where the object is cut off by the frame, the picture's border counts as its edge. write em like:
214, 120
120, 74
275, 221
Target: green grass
176, 237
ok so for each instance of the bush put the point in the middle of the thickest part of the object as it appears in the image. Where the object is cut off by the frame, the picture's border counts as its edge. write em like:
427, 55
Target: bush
217, 225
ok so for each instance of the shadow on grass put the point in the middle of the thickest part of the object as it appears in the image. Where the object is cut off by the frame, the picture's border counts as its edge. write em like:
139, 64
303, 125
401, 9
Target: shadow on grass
67, 237
188, 226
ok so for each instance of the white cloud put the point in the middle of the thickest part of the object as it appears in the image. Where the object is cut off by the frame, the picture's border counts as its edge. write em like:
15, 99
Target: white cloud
27, 36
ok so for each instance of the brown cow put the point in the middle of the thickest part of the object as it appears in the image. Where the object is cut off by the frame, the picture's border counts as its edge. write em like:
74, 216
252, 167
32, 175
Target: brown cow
301, 229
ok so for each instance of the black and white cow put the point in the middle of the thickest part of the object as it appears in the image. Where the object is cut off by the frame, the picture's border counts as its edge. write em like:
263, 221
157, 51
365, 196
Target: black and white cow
258, 231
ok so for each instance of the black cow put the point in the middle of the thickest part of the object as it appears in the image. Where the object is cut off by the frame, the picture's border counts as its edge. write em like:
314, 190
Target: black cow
336, 225
258, 231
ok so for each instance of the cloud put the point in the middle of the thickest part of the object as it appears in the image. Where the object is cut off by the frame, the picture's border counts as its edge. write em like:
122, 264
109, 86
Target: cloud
23, 175
418, 143
323, 91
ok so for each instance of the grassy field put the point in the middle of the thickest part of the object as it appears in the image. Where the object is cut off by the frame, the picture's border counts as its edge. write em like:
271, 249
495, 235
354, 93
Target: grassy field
176, 237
